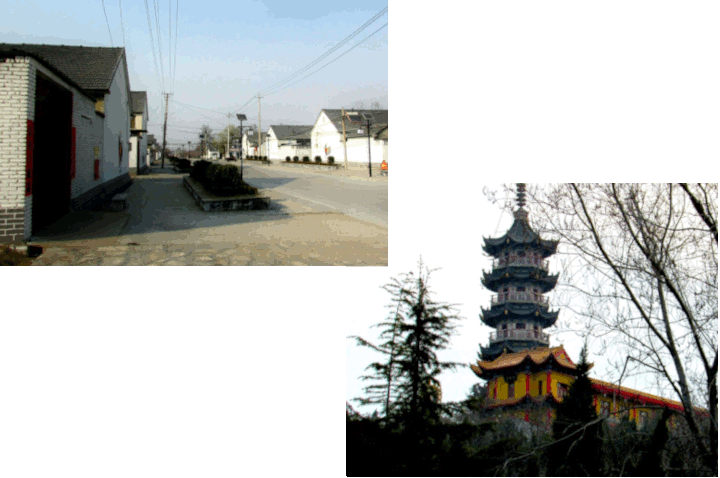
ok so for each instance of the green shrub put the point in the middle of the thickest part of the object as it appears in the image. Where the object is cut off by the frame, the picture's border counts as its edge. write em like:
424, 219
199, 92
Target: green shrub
331, 159
296, 159
318, 159
224, 180
287, 159
306, 159
183, 164
199, 170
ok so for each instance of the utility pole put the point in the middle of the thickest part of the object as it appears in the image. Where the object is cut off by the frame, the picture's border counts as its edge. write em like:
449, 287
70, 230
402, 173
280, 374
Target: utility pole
344, 137
227, 151
369, 163
167, 95
259, 128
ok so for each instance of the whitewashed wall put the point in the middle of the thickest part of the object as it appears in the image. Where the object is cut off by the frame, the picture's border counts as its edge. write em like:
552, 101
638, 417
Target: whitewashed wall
117, 126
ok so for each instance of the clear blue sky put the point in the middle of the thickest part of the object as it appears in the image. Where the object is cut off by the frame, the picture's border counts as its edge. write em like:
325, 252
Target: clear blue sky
227, 51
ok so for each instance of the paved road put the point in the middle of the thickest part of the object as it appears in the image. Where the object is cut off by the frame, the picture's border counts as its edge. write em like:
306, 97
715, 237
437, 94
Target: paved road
352, 195
164, 226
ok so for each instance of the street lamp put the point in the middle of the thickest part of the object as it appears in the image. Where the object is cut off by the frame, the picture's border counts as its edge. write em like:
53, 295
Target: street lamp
189, 149
241, 118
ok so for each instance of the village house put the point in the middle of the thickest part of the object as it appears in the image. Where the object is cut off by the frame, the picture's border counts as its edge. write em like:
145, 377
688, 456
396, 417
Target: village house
250, 144
64, 132
327, 138
152, 148
138, 132
288, 141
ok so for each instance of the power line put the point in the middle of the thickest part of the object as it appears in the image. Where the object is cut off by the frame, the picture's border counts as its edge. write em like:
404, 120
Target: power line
122, 24
152, 48
328, 63
176, 33
157, 24
108, 23
329, 52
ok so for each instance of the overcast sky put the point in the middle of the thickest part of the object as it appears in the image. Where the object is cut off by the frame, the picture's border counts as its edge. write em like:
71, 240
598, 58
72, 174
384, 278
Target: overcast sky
225, 53
483, 92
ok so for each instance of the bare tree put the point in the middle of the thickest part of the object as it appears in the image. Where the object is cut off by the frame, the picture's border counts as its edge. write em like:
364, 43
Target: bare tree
644, 259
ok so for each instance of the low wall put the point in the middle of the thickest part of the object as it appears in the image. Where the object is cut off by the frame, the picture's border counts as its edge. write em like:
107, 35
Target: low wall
329, 167
209, 203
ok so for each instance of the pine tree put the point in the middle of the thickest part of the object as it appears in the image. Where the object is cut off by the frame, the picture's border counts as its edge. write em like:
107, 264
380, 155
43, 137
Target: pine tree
577, 449
383, 374
427, 329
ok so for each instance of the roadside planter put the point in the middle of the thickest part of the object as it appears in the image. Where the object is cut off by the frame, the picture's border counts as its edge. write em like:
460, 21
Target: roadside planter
209, 202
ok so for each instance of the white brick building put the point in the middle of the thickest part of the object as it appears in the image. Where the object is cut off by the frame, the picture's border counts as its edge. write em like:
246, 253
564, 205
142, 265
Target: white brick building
327, 138
138, 132
64, 132
288, 141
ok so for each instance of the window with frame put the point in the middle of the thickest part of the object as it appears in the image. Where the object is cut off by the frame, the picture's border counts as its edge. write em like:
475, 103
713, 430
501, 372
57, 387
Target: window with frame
511, 390
604, 407
540, 387
643, 419
520, 326
562, 390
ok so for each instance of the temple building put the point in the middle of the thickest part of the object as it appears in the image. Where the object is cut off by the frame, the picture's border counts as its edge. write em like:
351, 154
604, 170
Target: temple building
525, 375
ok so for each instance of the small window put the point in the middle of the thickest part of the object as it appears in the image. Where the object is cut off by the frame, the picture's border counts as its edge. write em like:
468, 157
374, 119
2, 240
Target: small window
521, 289
604, 408
520, 326
511, 390
540, 389
643, 419
504, 326
562, 390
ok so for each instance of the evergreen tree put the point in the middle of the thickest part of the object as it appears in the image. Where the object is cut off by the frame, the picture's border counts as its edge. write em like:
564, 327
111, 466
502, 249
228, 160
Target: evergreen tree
425, 330
577, 448
382, 390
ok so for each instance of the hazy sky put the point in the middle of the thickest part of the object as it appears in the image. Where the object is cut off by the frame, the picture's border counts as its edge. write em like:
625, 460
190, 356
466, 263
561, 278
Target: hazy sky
226, 52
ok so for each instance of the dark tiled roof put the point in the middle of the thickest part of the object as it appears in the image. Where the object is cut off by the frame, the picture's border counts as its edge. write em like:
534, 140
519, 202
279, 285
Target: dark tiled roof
380, 121
139, 100
292, 131
92, 68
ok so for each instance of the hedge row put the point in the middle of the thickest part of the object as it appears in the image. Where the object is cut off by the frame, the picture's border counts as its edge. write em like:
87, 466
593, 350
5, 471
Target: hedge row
306, 159
221, 179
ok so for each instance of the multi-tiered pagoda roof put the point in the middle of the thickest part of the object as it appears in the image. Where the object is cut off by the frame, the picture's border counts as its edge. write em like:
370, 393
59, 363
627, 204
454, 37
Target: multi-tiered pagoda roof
519, 276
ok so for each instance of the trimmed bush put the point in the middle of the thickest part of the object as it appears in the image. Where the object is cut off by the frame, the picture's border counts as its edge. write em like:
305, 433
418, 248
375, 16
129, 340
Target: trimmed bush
306, 159
264, 158
296, 159
331, 159
224, 180
287, 159
318, 159
184, 164
199, 170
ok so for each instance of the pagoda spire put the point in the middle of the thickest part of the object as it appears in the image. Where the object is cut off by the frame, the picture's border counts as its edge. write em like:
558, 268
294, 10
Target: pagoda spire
521, 213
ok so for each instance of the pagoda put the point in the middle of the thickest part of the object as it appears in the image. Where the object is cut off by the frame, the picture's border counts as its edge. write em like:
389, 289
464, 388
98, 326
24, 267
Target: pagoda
524, 375
519, 312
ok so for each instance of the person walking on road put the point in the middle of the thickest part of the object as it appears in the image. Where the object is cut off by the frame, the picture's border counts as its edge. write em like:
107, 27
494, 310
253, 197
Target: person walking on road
384, 168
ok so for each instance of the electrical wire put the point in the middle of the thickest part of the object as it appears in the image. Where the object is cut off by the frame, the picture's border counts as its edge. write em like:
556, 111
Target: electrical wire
122, 24
108, 22
177, 2
329, 52
152, 48
328, 63
157, 24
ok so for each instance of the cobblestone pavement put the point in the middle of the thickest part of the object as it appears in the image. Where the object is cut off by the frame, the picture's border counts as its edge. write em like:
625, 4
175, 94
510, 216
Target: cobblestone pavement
171, 230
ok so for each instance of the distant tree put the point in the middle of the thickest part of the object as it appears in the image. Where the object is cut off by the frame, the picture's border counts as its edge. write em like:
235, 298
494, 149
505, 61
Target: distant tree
220, 139
577, 448
205, 136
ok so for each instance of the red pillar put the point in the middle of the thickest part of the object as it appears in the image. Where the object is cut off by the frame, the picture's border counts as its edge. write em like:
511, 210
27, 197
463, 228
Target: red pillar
549, 383
527, 416
527, 384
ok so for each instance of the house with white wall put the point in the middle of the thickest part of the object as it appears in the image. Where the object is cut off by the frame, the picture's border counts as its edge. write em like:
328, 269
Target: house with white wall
64, 132
288, 141
250, 144
138, 132
327, 138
